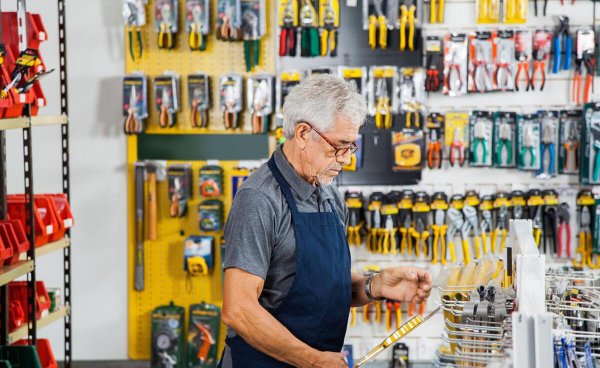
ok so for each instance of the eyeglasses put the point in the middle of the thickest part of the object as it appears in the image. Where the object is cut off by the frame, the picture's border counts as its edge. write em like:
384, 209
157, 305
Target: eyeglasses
339, 151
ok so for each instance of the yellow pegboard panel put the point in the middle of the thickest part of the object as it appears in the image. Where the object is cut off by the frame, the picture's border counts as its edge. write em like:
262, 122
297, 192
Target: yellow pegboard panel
218, 59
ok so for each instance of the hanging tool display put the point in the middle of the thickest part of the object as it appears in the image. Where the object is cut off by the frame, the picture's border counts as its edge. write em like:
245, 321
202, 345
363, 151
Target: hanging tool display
562, 45
488, 11
408, 11
412, 82
355, 202
456, 133
505, 139
590, 146
309, 23
383, 99
435, 128
229, 20
505, 62
455, 64
134, 15
586, 59
434, 63
515, 11
329, 23
260, 96
523, 54
230, 99
197, 23
481, 127
166, 20
437, 9
199, 99
288, 23
481, 67
166, 92
135, 103
254, 27
541, 54
569, 137
549, 121
528, 142
439, 206
376, 22
180, 189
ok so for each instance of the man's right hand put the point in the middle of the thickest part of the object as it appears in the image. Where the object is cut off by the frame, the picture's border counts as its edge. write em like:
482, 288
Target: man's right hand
330, 360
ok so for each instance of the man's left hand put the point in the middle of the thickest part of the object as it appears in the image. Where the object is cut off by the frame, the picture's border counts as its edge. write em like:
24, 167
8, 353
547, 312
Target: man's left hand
403, 284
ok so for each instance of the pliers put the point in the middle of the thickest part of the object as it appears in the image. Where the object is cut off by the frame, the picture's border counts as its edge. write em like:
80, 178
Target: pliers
586, 242
537, 225
251, 40
133, 27
503, 75
167, 116
596, 171
482, 80
367, 312
457, 146
165, 34
230, 116
309, 39
227, 30
197, 39
387, 237
453, 84
588, 61
132, 123
471, 223
259, 101
413, 117
562, 36
456, 221
439, 228
377, 20
407, 16
504, 143
393, 307
528, 147
406, 239
571, 146
329, 32
434, 150
354, 227
480, 138
564, 230
432, 81
486, 229
374, 230
547, 144
383, 115
500, 230
287, 37
198, 116
420, 233
539, 63
522, 57
550, 229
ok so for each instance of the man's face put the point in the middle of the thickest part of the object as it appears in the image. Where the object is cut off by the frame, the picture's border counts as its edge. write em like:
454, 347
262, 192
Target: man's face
320, 160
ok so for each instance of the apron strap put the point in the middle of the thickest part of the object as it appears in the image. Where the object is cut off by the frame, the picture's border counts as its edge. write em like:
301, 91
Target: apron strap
283, 184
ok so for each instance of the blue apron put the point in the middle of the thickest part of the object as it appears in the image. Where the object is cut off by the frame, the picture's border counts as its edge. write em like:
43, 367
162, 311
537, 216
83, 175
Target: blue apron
316, 308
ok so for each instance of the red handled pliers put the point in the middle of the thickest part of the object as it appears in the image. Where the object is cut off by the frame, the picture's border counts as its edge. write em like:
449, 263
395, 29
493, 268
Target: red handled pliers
564, 230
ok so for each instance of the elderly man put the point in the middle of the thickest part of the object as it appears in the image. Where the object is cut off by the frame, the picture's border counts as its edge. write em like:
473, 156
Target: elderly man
288, 284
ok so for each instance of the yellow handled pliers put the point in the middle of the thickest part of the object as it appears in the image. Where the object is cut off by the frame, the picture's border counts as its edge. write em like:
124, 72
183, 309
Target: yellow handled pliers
383, 114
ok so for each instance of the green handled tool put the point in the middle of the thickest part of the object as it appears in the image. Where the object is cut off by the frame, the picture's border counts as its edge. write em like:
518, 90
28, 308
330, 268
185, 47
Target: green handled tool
310, 34
505, 143
480, 138
251, 40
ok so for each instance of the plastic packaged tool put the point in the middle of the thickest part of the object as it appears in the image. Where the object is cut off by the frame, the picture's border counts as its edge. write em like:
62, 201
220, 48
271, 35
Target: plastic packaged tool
481, 128
584, 64
166, 21
197, 23
260, 99
408, 148
481, 66
383, 96
210, 215
166, 93
505, 66
549, 121
203, 335
199, 99
375, 21
505, 139
434, 63
229, 20
456, 135
488, 11
254, 28
211, 181
288, 24
515, 11
523, 52
198, 255
321, 70
356, 158
541, 54
412, 88
528, 142
134, 16
329, 23
356, 76
179, 179
168, 324
435, 138
309, 28
590, 145
569, 141
230, 99
455, 64
135, 103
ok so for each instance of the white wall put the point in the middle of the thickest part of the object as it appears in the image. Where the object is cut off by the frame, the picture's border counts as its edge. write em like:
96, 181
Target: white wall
98, 177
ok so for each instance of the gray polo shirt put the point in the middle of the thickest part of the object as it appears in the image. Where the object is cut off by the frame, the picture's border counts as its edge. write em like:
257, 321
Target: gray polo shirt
259, 236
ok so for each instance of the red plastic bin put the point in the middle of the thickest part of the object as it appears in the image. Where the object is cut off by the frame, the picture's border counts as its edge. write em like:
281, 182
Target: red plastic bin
46, 201
17, 291
21, 243
36, 32
46, 220
16, 315
9, 240
44, 351
64, 209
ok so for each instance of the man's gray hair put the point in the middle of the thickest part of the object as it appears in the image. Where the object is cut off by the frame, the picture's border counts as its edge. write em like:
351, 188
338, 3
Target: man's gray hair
318, 100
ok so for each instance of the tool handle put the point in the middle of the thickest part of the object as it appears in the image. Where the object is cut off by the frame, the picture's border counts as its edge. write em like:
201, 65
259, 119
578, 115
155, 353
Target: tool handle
557, 54
152, 206
324, 37
568, 53
466, 251
314, 41
333, 36
283, 36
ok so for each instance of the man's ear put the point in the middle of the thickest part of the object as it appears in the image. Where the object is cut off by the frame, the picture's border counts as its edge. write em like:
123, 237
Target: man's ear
302, 135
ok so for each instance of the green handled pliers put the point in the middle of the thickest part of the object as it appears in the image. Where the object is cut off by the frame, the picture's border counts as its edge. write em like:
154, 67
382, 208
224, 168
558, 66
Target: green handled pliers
251, 40
505, 143
528, 146
480, 138
310, 35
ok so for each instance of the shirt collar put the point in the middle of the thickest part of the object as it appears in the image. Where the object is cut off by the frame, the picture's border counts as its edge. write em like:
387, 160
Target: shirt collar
303, 188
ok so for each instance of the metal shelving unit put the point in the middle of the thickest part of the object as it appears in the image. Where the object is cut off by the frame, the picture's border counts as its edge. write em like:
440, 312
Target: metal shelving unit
26, 267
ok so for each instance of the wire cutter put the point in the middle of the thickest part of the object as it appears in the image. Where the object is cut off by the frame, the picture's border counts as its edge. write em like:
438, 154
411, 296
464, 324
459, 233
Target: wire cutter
165, 34
387, 237
329, 32
392, 307
480, 138
383, 115
377, 20
354, 227
434, 150
500, 230
230, 115
309, 39
197, 40
537, 225
167, 116
456, 222
133, 27
439, 228
198, 116
539, 63
406, 239
258, 104
548, 144
528, 147
407, 16
504, 143
420, 233
471, 223
571, 146
486, 229
132, 122
287, 37
457, 146
562, 36
251, 40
